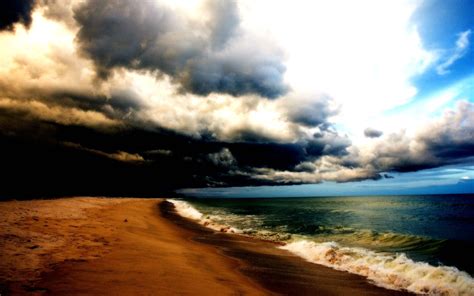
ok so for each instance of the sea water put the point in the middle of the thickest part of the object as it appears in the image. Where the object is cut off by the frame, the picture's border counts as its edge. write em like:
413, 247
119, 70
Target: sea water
422, 244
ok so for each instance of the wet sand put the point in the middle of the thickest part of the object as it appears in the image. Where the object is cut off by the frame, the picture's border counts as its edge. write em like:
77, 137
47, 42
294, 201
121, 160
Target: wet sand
93, 246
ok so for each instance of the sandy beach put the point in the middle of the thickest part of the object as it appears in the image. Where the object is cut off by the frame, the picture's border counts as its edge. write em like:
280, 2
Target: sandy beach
102, 246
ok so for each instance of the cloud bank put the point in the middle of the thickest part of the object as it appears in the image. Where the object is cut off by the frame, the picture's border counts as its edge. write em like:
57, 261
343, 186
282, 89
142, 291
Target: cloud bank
143, 98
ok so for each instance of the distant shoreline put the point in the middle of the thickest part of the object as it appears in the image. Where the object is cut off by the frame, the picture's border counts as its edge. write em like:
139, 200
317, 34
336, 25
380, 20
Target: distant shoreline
98, 246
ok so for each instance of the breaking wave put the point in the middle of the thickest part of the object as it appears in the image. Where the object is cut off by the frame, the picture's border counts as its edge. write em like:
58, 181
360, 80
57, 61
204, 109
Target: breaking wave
393, 271
188, 211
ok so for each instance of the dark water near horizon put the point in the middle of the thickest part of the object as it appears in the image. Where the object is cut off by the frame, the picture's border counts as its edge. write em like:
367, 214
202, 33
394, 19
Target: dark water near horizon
346, 231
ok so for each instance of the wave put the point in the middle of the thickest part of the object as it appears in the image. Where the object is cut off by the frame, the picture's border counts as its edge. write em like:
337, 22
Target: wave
389, 270
219, 222
392, 271
188, 211
381, 241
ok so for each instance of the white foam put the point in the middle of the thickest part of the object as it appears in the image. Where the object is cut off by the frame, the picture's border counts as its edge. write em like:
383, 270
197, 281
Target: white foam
186, 210
390, 271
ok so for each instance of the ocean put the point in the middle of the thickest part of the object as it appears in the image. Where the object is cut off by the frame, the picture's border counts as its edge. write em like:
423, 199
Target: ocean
423, 243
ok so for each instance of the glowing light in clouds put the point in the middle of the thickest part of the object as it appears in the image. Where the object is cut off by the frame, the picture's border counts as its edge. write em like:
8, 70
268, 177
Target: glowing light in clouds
362, 53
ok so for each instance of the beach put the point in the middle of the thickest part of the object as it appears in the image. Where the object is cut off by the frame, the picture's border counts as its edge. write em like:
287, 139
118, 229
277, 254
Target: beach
237, 147
114, 246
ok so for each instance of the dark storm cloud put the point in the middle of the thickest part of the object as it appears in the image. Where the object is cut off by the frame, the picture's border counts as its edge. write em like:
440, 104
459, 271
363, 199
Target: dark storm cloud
272, 155
131, 159
327, 143
79, 160
372, 133
310, 111
200, 58
15, 11
137, 161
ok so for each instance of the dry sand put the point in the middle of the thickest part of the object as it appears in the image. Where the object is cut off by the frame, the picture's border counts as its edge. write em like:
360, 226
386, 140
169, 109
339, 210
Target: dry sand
96, 246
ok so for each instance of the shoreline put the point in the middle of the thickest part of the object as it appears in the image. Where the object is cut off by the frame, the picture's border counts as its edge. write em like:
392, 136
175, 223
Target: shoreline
275, 269
142, 246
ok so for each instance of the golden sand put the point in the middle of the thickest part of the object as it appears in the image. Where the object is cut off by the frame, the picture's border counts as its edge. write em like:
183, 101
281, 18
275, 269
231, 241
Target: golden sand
111, 246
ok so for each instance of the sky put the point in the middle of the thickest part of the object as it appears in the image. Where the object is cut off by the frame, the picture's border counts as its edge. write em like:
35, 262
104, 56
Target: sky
236, 98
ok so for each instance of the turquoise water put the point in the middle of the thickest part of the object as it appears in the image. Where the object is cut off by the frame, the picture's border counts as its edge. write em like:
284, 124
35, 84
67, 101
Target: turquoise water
354, 233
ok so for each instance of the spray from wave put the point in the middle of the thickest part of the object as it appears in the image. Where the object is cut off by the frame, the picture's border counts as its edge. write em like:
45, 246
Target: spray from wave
388, 270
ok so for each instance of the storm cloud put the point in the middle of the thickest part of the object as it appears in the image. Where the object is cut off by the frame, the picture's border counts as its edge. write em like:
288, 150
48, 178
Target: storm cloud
213, 56
310, 110
15, 11
139, 98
